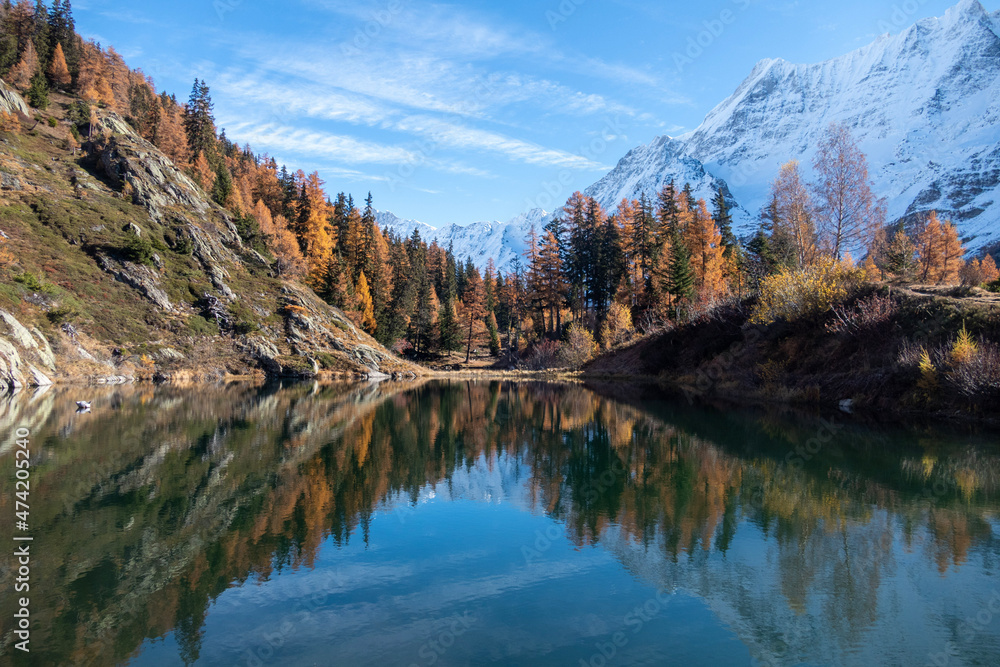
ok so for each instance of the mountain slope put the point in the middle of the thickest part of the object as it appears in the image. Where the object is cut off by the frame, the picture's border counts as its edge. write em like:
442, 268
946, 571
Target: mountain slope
923, 105
119, 265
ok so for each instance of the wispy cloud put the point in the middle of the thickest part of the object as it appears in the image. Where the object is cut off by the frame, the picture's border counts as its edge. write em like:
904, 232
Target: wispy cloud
288, 100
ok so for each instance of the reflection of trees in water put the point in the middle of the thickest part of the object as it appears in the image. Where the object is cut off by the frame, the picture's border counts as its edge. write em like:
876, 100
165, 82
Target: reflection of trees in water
163, 500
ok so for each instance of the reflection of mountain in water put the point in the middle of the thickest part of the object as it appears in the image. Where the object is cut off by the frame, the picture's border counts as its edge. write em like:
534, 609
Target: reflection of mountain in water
152, 506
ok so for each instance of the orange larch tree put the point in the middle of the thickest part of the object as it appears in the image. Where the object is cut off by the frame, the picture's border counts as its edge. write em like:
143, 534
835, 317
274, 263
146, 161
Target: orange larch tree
58, 71
704, 242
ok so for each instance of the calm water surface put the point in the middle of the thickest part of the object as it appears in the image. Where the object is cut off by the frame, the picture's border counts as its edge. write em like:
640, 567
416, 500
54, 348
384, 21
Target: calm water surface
494, 523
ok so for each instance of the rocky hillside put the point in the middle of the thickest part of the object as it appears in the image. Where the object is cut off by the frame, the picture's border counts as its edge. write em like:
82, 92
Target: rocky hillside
116, 265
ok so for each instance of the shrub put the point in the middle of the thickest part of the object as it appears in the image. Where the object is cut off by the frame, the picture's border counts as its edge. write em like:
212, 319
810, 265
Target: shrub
245, 328
578, 348
59, 316
78, 113
543, 355
797, 293
974, 371
36, 284
199, 326
9, 122
964, 349
326, 360
183, 244
53, 122
869, 315
138, 250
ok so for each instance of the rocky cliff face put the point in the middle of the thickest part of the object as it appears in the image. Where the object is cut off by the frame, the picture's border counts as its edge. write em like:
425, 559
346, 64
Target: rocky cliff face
118, 266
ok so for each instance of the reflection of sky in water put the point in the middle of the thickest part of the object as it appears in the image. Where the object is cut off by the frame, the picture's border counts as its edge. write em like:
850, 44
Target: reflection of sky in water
470, 549
383, 604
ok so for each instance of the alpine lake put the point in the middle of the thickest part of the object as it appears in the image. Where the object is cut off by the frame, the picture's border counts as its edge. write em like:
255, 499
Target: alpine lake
492, 523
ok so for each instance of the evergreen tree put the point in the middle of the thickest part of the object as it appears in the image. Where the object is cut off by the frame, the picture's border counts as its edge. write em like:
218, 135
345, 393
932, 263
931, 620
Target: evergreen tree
449, 328
223, 186
40, 37
425, 317
38, 93
681, 275
199, 123
724, 221
494, 332
900, 255
667, 213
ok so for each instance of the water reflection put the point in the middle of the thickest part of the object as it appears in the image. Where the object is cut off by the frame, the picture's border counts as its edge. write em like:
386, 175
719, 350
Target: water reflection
526, 508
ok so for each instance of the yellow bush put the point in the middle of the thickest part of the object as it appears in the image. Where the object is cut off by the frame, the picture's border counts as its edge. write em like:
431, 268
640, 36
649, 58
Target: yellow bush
928, 373
579, 347
618, 327
964, 350
9, 122
795, 293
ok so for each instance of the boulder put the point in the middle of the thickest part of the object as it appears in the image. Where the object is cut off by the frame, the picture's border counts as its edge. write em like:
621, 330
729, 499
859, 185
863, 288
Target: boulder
11, 101
140, 278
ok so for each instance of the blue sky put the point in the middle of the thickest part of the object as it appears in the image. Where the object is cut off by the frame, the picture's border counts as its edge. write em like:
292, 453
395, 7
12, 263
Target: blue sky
454, 113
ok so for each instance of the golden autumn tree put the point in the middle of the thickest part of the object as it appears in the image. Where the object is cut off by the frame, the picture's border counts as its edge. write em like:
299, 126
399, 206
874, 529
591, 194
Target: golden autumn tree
20, 75
366, 308
58, 70
940, 252
91, 82
202, 172
280, 240
473, 302
976, 272
629, 221
704, 241
549, 283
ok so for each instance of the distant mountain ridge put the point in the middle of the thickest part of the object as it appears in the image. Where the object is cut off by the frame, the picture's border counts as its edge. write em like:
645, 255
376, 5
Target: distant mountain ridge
924, 105
504, 242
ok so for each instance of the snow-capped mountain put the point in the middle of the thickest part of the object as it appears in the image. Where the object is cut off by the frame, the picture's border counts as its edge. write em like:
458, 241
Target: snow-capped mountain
646, 169
501, 241
924, 105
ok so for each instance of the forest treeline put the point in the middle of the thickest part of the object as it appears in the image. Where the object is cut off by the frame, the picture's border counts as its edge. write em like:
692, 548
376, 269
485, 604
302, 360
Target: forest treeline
590, 278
